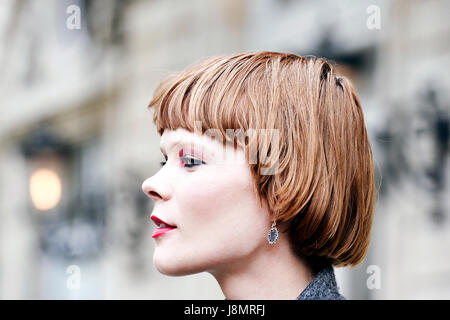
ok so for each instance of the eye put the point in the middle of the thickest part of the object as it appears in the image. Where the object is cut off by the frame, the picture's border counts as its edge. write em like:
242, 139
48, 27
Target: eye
162, 163
190, 162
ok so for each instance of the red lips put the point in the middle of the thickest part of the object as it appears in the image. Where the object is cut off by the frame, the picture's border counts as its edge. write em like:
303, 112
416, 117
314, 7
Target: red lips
161, 229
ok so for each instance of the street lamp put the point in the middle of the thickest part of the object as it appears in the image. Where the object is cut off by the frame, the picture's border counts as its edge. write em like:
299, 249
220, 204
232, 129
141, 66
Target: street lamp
47, 160
45, 189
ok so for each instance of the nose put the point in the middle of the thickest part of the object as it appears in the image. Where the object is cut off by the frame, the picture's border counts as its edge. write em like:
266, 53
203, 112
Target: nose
155, 190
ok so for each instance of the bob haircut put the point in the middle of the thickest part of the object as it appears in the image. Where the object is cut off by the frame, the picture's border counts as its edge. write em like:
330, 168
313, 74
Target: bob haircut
323, 189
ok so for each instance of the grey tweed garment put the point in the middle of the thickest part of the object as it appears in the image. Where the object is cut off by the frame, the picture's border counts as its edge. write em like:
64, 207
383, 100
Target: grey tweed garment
322, 287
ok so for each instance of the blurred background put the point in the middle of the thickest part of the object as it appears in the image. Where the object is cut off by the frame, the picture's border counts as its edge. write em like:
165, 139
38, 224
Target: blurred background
77, 140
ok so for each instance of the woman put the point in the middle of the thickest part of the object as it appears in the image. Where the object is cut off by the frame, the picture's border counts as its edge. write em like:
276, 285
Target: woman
268, 180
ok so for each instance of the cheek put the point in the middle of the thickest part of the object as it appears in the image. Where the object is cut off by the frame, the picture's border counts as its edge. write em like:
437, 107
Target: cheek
221, 207
218, 189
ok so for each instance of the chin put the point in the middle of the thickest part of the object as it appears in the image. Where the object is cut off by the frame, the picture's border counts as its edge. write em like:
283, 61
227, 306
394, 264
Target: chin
170, 267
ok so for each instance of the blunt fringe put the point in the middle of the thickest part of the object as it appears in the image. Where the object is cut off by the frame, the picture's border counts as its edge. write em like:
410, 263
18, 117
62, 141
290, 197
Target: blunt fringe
323, 190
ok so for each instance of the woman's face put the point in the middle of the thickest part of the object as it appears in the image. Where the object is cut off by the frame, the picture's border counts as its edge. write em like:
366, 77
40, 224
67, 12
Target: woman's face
219, 221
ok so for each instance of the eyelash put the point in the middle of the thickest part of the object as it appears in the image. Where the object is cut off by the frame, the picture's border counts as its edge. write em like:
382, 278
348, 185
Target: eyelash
193, 162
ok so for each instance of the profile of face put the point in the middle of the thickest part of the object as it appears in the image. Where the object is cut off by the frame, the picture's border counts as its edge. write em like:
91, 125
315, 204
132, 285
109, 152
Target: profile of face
205, 190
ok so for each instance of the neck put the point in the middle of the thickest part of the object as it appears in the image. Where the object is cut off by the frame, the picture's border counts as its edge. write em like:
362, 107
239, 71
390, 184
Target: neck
273, 272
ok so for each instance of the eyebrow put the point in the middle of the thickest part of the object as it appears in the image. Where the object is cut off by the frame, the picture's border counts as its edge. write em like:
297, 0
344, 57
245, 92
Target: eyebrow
183, 142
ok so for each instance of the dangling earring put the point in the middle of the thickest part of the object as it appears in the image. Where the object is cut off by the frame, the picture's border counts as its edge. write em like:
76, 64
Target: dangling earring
272, 237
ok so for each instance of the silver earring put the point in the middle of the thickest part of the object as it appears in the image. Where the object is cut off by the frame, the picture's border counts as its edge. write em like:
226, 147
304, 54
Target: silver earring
272, 237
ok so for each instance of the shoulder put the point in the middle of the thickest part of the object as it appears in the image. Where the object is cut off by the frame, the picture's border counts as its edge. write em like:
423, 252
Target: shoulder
322, 287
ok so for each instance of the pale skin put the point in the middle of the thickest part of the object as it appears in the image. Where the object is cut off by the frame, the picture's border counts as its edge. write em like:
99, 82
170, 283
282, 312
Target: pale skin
221, 228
